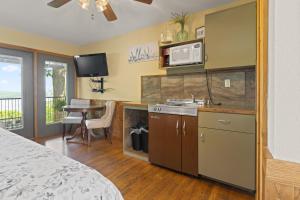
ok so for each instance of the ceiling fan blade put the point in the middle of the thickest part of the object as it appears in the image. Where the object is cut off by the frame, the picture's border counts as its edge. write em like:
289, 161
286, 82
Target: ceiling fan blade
109, 13
57, 3
145, 1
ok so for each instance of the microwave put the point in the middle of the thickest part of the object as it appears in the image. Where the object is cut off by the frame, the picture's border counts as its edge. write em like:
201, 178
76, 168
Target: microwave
186, 54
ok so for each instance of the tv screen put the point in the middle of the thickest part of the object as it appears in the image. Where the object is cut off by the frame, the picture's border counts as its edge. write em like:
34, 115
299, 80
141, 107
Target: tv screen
92, 65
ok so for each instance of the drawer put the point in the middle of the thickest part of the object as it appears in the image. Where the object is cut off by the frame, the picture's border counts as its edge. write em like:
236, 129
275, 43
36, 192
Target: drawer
224, 121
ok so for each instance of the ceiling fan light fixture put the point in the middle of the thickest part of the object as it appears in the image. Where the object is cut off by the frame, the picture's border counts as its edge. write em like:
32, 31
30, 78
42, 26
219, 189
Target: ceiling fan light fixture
84, 4
101, 5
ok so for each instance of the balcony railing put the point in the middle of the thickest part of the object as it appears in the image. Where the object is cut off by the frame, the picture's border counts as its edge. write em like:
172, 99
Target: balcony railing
54, 112
11, 113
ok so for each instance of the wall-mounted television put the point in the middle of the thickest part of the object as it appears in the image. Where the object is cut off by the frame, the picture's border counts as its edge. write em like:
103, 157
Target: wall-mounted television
91, 65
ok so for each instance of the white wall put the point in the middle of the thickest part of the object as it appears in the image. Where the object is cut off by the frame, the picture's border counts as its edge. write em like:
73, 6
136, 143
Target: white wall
284, 80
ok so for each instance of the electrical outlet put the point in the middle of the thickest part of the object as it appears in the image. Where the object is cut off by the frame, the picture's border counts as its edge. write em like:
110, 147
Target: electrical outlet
227, 83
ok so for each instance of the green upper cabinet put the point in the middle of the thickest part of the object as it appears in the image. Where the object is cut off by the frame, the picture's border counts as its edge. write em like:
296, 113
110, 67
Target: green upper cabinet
231, 37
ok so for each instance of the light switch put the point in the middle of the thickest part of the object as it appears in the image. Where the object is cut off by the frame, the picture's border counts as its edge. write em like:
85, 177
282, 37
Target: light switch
227, 83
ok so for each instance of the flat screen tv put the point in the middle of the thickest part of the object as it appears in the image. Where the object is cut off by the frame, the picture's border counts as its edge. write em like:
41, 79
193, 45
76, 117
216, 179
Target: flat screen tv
92, 65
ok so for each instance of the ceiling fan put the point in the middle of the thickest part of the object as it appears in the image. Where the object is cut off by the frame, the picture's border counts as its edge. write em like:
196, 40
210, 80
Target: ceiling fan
101, 5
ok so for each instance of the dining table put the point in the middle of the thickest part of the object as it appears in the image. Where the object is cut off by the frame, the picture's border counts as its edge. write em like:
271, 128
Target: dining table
84, 110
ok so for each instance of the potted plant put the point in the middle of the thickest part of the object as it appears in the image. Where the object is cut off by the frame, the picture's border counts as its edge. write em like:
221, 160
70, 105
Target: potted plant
181, 19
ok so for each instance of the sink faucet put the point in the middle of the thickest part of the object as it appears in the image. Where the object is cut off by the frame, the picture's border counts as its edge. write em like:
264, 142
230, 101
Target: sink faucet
193, 98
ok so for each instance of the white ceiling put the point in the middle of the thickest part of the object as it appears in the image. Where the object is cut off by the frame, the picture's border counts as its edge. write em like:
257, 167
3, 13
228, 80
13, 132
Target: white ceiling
73, 25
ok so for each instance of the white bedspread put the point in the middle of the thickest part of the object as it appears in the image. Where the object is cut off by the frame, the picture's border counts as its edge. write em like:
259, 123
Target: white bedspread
31, 171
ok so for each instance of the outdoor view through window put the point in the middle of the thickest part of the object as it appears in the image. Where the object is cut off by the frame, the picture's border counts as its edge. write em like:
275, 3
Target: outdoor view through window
11, 111
11, 101
55, 74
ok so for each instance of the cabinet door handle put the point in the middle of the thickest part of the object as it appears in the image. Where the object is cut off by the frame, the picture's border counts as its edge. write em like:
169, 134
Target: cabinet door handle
202, 137
183, 128
206, 58
226, 122
177, 127
155, 117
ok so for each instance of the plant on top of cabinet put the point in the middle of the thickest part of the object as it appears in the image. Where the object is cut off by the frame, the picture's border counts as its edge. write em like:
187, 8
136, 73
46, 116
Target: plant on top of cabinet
231, 37
181, 19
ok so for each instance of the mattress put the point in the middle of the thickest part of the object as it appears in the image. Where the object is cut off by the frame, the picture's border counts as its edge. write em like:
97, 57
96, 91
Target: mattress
32, 171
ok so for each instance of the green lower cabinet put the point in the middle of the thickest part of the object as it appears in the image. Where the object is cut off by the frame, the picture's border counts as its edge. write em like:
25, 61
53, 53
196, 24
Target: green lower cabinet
227, 148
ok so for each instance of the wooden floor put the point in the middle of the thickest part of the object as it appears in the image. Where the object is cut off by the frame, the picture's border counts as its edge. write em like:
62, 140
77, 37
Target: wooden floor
139, 180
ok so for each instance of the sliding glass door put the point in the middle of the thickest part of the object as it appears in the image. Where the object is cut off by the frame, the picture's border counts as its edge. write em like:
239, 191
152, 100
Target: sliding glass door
56, 87
16, 91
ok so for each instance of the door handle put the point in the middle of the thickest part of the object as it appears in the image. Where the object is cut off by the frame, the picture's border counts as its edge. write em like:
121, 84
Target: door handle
177, 127
183, 128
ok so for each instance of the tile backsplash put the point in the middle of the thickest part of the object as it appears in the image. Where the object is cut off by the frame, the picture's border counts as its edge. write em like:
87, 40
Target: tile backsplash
241, 92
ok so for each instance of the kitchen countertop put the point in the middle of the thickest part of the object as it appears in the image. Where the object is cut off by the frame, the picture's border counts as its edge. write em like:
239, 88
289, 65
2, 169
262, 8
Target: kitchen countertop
208, 108
137, 104
227, 109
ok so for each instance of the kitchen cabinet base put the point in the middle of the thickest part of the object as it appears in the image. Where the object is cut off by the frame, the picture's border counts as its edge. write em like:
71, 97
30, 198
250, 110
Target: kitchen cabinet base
227, 184
173, 142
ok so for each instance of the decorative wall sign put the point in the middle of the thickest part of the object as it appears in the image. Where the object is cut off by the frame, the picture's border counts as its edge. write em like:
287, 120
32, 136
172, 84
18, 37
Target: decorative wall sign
142, 53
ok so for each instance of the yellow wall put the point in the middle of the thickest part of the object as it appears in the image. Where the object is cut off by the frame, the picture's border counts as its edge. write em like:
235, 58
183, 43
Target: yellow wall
13, 37
124, 79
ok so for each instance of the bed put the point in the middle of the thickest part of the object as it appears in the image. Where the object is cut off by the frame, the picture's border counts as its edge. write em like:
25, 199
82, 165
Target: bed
31, 171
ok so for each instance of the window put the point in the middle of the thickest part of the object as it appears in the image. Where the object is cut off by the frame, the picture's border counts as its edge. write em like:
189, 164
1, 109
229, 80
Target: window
11, 105
56, 78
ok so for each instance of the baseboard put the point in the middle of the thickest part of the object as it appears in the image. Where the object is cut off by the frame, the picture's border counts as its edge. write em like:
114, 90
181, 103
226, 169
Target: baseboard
281, 178
50, 135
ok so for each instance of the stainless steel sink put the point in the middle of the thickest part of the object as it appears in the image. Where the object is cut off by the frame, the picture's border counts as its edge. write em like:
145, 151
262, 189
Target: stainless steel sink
181, 104
175, 110
177, 107
185, 102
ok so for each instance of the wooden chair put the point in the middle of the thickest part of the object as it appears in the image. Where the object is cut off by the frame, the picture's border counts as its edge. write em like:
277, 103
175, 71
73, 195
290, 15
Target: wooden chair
103, 123
74, 118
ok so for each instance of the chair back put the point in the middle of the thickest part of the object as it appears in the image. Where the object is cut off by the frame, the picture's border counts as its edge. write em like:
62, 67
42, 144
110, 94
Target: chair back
109, 113
81, 102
